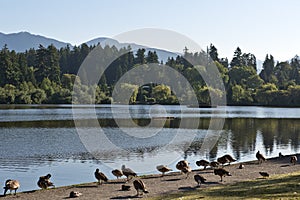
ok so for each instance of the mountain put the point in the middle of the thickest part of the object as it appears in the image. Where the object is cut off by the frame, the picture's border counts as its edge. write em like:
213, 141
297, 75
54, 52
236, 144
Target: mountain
23, 41
103, 41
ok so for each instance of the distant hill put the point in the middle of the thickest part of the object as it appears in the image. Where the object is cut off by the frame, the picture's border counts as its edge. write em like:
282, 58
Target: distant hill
23, 41
103, 41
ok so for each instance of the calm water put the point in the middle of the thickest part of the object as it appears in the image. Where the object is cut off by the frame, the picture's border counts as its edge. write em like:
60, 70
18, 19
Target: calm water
38, 140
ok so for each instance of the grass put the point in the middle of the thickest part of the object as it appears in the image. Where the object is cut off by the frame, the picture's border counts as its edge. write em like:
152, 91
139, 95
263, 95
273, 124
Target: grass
285, 186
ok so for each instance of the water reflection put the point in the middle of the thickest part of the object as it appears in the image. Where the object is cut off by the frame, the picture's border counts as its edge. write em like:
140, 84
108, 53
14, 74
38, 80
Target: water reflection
45, 139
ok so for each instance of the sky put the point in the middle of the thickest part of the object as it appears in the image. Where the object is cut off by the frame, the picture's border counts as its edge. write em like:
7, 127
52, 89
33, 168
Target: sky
258, 26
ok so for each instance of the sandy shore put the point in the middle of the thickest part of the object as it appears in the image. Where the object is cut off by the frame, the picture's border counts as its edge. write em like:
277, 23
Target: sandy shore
157, 185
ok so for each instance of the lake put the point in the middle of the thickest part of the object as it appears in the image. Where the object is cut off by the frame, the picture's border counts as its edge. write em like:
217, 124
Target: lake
70, 142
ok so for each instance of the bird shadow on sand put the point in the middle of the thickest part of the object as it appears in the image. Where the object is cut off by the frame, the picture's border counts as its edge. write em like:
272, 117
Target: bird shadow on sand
127, 197
189, 188
172, 179
285, 165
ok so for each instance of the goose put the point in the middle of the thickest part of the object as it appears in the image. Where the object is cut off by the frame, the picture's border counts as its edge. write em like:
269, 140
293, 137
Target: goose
74, 194
163, 169
44, 181
229, 158
118, 173
214, 164
181, 164
100, 176
223, 160
260, 157
203, 163
186, 170
11, 185
199, 179
128, 172
294, 160
264, 174
221, 172
139, 185
241, 166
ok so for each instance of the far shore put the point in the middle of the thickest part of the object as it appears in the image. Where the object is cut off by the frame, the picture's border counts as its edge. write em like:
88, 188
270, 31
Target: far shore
171, 183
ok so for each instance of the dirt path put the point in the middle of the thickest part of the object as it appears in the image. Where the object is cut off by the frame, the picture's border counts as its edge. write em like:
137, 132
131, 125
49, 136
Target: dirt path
157, 185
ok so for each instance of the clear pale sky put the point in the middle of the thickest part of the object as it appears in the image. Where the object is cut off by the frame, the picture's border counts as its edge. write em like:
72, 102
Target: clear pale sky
258, 26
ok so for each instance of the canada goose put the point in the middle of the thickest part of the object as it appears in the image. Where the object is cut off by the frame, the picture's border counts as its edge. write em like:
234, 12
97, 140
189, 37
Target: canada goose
199, 179
264, 174
260, 157
11, 185
223, 160
44, 181
118, 173
280, 155
229, 158
125, 187
221, 172
128, 172
294, 160
203, 163
186, 170
74, 194
163, 169
181, 164
241, 166
100, 176
139, 185
214, 164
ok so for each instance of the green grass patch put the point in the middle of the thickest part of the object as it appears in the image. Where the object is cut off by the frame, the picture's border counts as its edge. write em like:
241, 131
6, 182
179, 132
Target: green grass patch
285, 186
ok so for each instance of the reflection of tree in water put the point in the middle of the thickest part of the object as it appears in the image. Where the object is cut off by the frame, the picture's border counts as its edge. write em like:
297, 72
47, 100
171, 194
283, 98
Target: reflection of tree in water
241, 135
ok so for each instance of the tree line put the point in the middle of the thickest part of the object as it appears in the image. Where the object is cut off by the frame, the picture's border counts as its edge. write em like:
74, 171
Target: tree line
48, 75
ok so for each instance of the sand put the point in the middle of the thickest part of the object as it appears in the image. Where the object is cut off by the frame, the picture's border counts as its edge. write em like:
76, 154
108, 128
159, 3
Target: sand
157, 185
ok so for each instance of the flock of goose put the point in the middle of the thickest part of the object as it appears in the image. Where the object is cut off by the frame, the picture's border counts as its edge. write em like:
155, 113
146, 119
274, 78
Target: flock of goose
183, 166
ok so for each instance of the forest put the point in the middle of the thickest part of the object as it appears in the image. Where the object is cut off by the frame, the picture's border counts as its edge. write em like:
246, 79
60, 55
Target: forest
47, 75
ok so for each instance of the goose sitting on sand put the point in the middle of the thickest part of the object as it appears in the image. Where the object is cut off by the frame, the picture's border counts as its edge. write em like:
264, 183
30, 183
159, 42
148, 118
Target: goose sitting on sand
163, 169
293, 160
260, 157
229, 158
203, 163
221, 172
129, 173
117, 173
264, 174
74, 194
100, 176
199, 179
44, 181
139, 186
11, 185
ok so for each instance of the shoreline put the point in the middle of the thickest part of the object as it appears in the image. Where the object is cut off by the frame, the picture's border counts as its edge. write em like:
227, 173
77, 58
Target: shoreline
171, 183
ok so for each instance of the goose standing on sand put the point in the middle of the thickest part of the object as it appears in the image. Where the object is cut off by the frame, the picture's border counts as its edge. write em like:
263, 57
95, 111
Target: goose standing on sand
229, 158
129, 173
221, 172
100, 176
163, 169
260, 157
118, 173
293, 160
44, 181
199, 179
184, 167
11, 185
203, 163
223, 160
139, 185
214, 164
